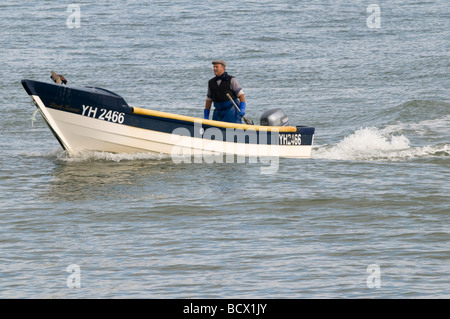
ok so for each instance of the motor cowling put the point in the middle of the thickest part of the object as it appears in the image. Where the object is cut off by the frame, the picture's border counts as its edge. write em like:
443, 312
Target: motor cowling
274, 117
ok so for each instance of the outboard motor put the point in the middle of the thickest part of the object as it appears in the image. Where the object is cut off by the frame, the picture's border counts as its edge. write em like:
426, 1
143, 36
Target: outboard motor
274, 117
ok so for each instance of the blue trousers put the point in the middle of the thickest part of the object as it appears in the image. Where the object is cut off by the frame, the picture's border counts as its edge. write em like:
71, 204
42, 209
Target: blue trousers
226, 112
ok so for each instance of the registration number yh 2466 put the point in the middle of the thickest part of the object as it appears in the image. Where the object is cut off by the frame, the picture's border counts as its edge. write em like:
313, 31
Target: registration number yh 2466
103, 114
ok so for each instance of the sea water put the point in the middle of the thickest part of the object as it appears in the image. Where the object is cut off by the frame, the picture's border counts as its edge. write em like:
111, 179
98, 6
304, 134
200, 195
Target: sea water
366, 216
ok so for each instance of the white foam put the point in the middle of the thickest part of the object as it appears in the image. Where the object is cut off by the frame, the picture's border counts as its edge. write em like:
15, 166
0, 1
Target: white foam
373, 144
95, 156
106, 156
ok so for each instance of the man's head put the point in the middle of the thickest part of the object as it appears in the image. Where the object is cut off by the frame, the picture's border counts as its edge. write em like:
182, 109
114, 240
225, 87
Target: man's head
219, 67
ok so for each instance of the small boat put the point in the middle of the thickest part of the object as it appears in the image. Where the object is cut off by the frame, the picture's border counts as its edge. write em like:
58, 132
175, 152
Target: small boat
95, 119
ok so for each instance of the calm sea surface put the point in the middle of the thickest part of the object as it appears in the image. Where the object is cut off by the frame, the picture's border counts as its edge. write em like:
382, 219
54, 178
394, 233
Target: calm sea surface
367, 216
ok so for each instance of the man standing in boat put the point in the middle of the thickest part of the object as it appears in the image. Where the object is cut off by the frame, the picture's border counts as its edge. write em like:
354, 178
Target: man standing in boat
218, 88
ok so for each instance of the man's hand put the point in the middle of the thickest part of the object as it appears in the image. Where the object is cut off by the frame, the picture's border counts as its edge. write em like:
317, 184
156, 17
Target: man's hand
242, 107
206, 113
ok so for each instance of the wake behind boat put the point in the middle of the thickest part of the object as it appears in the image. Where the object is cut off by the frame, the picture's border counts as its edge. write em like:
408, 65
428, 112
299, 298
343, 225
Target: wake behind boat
95, 119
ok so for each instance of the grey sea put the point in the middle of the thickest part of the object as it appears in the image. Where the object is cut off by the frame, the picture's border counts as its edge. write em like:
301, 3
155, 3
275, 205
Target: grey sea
367, 216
